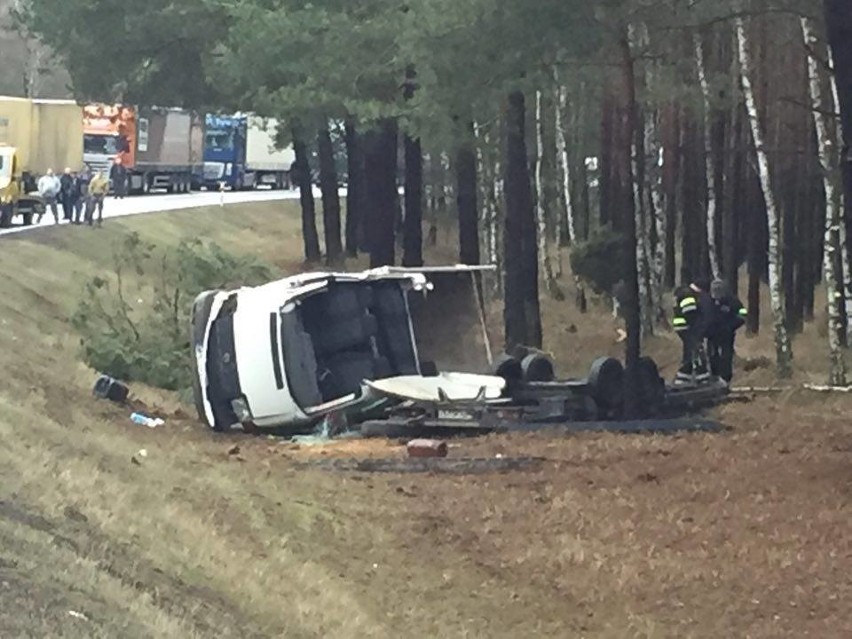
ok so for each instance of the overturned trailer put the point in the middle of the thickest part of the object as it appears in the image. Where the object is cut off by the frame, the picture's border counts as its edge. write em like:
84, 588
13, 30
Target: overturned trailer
392, 351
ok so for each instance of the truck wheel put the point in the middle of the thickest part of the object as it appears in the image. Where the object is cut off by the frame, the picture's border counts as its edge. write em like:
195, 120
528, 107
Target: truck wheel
537, 368
28, 219
606, 383
652, 386
510, 369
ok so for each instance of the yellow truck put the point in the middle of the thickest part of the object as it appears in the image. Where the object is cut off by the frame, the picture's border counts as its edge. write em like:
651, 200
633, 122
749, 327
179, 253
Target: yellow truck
35, 135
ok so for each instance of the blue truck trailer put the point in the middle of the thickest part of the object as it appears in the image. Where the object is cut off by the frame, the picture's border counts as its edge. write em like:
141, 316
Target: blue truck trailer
240, 153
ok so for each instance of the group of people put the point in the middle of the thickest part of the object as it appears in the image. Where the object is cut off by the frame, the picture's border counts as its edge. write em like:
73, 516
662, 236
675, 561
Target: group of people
80, 194
707, 316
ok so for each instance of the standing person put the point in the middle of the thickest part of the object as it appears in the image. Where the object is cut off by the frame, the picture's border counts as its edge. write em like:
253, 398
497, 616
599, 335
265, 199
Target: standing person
693, 314
8, 199
68, 193
49, 188
98, 189
81, 201
118, 175
729, 316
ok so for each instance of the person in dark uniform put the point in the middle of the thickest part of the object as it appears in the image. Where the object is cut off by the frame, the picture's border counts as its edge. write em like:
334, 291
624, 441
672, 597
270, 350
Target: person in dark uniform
729, 316
693, 314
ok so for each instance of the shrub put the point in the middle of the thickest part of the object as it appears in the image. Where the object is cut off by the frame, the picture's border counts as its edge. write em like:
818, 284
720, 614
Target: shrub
601, 260
134, 321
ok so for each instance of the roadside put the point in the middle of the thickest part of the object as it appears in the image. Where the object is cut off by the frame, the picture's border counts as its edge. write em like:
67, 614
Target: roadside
694, 535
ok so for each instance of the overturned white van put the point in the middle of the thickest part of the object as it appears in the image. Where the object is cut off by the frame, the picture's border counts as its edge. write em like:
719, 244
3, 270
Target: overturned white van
288, 353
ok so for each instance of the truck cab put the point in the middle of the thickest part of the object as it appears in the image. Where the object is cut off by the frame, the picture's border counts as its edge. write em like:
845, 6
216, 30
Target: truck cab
225, 153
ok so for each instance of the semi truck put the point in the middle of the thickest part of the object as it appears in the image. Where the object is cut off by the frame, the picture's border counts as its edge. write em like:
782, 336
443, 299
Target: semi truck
35, 135
161, 148
240, 153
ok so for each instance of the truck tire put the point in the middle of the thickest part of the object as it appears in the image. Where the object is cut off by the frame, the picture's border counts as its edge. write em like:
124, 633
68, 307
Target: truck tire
28, 219
510, 369
652, 386
606, 383
537, 368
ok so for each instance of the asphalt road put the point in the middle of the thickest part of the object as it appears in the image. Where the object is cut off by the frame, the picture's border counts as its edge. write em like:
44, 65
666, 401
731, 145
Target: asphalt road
154, 203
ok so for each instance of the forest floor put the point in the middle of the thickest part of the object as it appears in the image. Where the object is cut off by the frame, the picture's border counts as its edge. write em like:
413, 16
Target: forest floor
741, 534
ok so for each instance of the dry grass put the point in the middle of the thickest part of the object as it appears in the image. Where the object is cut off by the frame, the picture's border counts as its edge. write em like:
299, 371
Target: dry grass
736, 535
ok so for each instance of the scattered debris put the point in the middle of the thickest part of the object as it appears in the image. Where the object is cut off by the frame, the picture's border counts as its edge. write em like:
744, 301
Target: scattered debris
145, 420
135, 461
77, 615
235, 450
108, 388
143, 452
427, 448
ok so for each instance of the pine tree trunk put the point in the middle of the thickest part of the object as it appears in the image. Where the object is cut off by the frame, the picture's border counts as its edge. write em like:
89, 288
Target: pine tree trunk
380, 149
831, 183
412, 233
468, 210
733, 190
330, 198
708, 158
354, 190
671, 171
546, 262
607, 164
521, 309
302, 172
783, 350
633, 350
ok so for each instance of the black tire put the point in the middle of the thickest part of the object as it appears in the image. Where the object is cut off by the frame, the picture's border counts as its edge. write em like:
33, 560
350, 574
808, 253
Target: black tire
536, 367
510, 369
28, 219
606, 383
652, 386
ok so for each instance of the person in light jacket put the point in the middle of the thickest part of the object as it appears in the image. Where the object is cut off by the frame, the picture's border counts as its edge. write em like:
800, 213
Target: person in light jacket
49, 188
98, 189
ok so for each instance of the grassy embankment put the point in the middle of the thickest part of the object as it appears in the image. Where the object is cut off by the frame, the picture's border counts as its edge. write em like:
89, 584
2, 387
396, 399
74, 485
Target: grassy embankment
744, 534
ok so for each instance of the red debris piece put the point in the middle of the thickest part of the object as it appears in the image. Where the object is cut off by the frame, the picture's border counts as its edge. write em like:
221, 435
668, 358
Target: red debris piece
427, 448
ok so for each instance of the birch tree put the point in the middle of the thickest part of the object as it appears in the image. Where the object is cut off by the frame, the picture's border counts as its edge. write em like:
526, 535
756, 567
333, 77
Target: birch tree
711, 204
831, 180
564, 158
544, 256
783, 349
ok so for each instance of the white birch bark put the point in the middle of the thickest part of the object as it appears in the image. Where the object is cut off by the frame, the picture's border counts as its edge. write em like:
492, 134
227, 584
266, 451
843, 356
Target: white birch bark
830, 172
544, 256
564, 159
638, 36
783, 350
846, 272
657, 253
487, 173
712, 204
